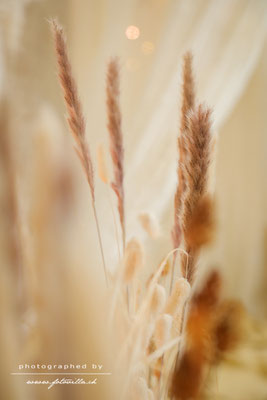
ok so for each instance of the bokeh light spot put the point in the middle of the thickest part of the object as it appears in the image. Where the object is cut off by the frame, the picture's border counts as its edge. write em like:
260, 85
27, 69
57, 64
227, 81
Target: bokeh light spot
132, 32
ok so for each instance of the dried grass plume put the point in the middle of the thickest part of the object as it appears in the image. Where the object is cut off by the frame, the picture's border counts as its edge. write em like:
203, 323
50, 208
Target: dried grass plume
116, 139
76, 119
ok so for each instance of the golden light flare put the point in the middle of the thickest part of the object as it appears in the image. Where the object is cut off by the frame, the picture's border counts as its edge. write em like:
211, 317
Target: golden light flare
132, 32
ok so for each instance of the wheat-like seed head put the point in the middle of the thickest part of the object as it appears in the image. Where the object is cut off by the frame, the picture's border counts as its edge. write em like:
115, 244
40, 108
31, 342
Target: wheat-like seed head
196, 167
133, 260
76, 120
163, 329
116, 139
75, 117
149, 224
178, 296
188, 103
158, 299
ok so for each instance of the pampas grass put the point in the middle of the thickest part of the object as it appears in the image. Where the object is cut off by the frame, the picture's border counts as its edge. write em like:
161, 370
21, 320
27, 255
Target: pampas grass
198, 143
163, 330
76, 120
188, 102
116, 139
178, 296
75, 117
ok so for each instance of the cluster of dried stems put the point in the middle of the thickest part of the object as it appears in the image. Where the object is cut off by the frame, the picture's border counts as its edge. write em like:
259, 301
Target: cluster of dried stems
147, 321
192, 206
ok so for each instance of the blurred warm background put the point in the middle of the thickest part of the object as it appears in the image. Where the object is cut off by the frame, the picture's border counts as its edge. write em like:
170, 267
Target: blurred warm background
228, 40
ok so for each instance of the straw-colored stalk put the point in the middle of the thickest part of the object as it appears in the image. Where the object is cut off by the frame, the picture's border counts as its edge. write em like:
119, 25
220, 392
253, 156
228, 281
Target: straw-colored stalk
143, 324
103, 174
116, 139
197, 206
140, 390
163, 329
76, 119
158, 300
178, 296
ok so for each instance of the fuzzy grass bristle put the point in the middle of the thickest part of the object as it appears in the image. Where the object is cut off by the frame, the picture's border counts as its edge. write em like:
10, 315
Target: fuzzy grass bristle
188, 103
163, 329
75, 117
158, 299
76, 120
196, 171
178, 296
133, 260
116, 138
